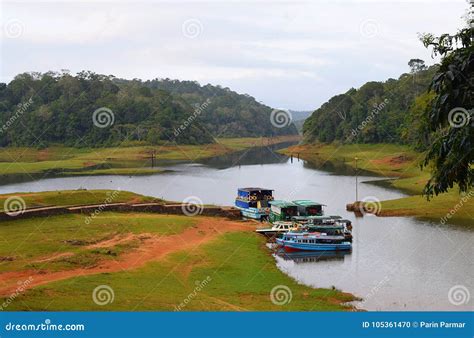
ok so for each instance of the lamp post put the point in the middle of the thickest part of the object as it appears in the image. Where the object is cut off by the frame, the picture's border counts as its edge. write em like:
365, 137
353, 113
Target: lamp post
356, 173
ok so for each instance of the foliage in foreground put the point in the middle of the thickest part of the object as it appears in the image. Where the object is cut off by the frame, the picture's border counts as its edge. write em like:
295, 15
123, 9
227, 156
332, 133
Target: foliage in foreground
451, 154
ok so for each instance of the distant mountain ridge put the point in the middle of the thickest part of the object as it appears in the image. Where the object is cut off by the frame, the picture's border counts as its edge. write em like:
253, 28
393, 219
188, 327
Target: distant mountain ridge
299, 117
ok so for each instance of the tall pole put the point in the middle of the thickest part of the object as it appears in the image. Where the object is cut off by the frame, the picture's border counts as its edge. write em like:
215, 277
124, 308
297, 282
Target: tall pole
357, 172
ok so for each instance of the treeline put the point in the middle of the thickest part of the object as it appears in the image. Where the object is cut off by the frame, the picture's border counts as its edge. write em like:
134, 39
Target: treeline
90, 109
378, 112
228, 114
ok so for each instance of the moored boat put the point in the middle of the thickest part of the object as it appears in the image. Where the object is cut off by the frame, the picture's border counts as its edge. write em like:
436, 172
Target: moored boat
276, 228
282, 211
309, 208
254, 202
324, 238
345, 225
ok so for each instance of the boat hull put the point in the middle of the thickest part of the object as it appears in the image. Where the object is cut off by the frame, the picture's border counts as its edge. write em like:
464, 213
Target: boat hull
290, 246
254, 213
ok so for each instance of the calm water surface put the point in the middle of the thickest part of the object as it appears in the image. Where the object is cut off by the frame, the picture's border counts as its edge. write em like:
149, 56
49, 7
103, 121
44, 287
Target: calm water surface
397, 263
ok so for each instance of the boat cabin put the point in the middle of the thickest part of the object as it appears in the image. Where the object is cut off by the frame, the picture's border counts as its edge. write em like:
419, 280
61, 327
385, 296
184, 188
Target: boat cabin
309, 208
253, 198
335, 230
282, 211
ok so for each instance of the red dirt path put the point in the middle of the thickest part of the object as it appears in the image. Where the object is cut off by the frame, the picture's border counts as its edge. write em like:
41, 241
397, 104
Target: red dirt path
152, 248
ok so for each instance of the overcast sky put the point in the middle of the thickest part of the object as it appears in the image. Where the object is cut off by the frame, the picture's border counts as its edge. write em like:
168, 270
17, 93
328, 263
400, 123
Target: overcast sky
287, 54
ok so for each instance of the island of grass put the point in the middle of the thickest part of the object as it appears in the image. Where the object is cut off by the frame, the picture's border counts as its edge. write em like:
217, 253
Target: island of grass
400, 166
146, 261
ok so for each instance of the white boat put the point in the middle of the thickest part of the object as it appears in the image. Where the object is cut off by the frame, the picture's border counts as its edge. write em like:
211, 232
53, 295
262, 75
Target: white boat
276, 228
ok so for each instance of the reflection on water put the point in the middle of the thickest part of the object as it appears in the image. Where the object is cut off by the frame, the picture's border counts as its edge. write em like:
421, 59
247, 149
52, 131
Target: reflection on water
397, 263
311, 256
257, 155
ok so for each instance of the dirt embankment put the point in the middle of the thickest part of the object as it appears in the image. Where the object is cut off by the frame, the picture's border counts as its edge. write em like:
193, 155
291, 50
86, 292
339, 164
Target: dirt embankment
151, 248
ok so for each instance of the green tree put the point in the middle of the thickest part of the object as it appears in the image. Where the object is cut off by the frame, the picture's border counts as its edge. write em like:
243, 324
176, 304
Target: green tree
451, 154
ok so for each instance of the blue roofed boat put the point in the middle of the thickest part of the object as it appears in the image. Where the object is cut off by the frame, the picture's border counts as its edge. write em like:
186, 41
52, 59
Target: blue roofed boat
254, 202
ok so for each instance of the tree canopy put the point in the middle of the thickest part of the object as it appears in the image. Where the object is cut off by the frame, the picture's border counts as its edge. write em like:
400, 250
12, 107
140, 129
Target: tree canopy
450, 117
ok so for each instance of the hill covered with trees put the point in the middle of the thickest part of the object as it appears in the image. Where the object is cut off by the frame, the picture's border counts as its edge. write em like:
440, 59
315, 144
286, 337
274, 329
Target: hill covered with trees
378, 112
227, 113
90, 109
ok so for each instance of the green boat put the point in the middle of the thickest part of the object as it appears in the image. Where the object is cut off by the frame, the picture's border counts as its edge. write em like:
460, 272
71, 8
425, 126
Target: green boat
308, 208
282, 211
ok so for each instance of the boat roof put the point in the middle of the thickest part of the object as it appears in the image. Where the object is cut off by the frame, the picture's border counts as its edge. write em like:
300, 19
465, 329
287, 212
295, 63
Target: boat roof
311, 235
254, 189
334, 227
307, 203
282, 204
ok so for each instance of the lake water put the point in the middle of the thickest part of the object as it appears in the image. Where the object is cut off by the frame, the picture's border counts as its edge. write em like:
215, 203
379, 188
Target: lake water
397, 263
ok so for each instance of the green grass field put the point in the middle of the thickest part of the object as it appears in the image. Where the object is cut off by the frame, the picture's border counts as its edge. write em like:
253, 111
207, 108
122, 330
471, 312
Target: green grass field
239, 273
25, 241
238, 267
402, 165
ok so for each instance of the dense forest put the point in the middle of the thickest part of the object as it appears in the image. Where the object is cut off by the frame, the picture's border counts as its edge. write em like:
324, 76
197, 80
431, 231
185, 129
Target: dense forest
90, 109
378, 112
227, 113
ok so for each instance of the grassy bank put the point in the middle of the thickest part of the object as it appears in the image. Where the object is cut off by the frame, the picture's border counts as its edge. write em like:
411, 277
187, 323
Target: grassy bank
150, 261
401, 165
71, 234
74, 197
125, 160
